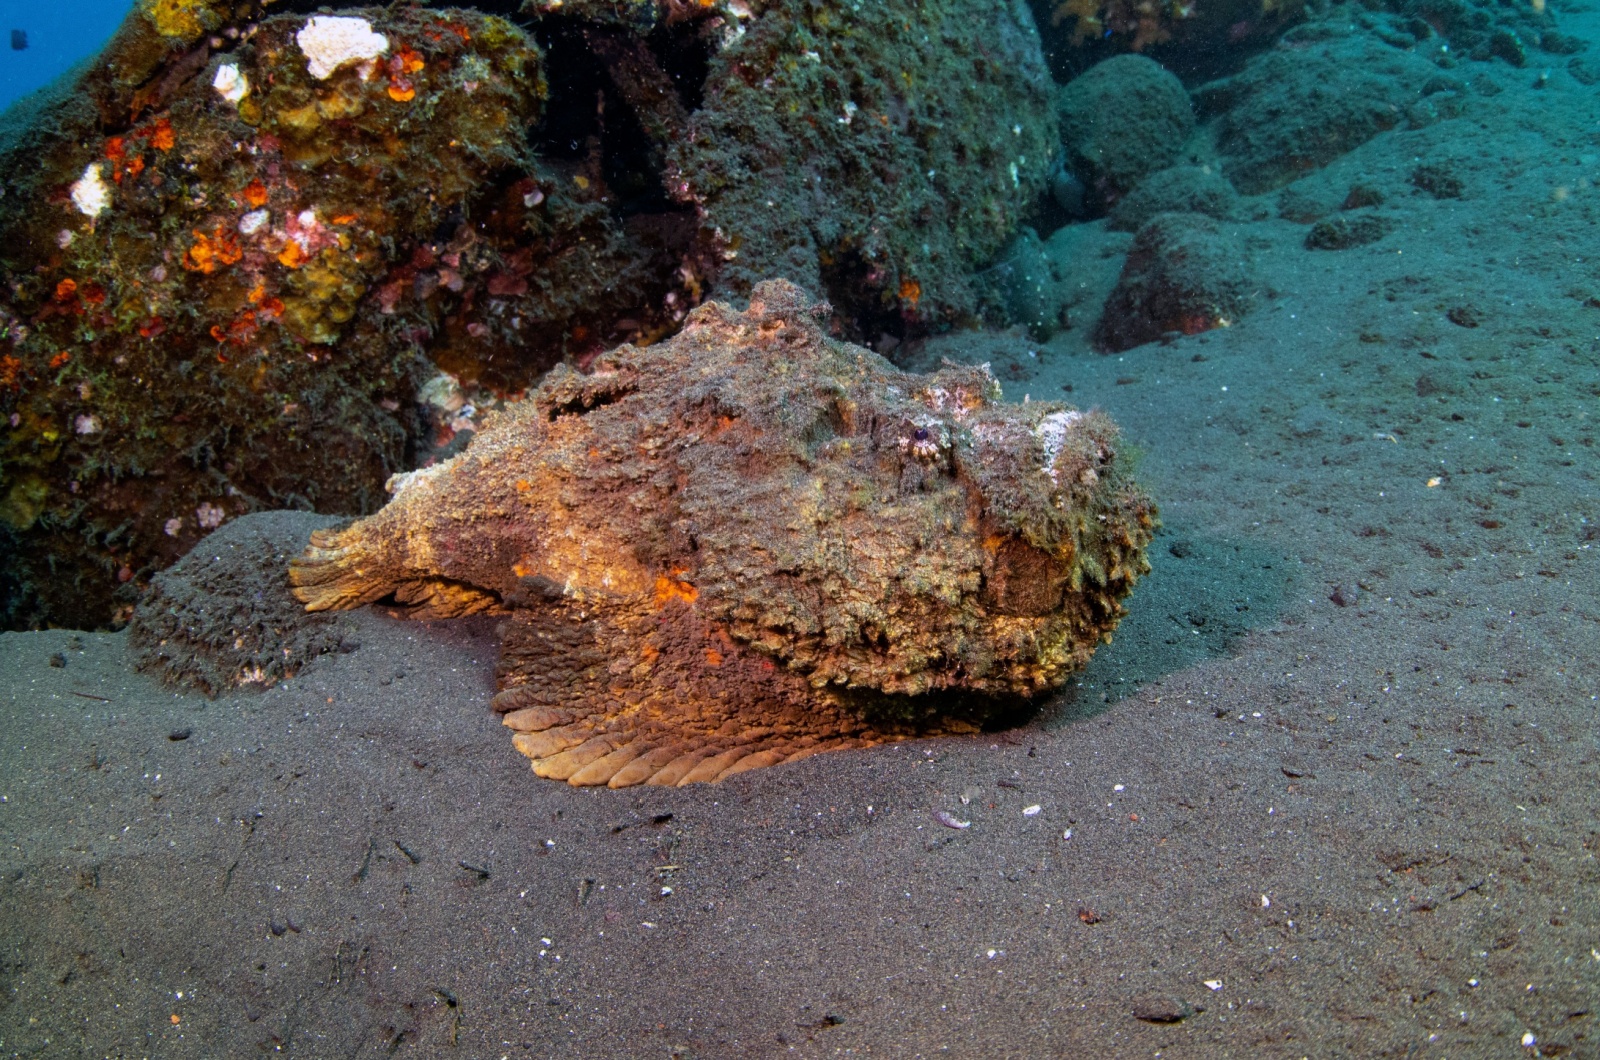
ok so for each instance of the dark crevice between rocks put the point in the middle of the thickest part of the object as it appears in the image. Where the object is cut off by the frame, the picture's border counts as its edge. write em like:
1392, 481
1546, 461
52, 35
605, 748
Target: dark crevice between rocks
859, 311
624, 97
684, 52
1215, 39
587, 115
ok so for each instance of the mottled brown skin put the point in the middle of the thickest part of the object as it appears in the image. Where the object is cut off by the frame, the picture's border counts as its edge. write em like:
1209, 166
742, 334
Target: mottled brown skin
751, 543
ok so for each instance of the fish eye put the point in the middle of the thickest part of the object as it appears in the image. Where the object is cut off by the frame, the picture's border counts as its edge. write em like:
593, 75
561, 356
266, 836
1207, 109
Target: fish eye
920, 434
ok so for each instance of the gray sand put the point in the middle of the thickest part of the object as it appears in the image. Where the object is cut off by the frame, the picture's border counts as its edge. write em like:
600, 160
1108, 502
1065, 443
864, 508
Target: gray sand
1331, 792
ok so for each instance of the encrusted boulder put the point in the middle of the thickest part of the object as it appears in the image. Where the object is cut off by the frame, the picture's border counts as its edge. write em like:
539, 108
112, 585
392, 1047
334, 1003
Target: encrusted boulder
1297, 108
1185, 274
1177, 189
880, 153
1121, 120
216, 294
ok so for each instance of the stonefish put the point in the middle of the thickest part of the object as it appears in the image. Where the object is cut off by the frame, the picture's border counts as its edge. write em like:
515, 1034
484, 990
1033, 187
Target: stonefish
751, 543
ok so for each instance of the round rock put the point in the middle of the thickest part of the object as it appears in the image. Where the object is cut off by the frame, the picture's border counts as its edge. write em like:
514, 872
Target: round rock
1185, 273
1121, 120
222, 616
1176, 189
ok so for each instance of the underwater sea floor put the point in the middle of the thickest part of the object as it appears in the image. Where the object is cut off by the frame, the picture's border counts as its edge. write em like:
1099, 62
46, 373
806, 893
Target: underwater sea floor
1330, 792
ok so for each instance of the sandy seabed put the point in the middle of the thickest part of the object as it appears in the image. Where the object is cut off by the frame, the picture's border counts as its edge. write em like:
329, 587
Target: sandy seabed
1330, 792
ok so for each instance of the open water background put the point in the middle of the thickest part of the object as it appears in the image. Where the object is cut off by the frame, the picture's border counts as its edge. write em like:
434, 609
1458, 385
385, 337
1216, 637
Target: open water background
59, 35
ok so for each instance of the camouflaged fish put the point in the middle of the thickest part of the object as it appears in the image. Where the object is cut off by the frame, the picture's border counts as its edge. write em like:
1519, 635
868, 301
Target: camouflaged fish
752, 543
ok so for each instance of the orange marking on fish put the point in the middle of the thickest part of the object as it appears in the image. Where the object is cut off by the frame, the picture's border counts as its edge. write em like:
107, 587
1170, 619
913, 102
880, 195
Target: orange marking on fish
674, 588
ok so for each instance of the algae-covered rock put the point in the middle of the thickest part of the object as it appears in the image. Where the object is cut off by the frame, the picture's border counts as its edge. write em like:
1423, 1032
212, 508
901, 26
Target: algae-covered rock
1293, 111
879, 152
1123, 119
751, 543
222, 617
1184, 274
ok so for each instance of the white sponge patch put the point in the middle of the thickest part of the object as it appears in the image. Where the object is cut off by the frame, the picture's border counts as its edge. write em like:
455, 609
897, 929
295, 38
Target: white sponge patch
90, 193
330, 42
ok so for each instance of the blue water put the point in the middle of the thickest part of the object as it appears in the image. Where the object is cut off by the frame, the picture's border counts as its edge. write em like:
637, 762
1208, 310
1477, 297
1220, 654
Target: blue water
59, 34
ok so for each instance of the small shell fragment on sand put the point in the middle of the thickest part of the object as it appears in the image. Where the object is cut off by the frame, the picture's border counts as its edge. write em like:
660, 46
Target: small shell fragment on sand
949, 820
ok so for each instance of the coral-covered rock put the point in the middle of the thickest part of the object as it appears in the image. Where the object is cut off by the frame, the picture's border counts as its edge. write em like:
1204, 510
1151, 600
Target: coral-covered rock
1121, 120
221, 304
1185, 273
751, 543
177, 361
